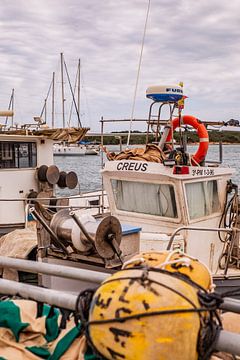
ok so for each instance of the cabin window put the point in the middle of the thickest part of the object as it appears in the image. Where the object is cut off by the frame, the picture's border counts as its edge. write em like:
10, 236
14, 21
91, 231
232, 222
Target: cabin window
145, 198
202, 198
17, 155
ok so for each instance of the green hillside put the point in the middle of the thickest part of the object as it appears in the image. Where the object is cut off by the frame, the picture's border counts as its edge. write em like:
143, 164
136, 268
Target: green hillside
192, 137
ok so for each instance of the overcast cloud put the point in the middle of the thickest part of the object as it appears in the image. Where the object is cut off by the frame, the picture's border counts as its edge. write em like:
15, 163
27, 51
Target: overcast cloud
194, 42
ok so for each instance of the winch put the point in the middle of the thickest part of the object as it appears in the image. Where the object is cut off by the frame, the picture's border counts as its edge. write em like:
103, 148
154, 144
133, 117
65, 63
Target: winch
86, 234
82, 237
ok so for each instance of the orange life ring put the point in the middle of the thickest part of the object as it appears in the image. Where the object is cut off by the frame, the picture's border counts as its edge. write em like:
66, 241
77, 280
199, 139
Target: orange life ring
201, 153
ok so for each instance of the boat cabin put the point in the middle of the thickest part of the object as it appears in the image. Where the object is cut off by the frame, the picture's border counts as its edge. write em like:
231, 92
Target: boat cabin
22, 152
172, 189
160, 199
20, 156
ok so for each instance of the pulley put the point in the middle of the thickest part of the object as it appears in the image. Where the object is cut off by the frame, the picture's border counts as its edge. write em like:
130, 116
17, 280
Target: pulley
108, 237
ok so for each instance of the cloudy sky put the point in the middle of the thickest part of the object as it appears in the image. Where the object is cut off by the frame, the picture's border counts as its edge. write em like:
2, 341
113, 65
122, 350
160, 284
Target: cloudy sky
197, 42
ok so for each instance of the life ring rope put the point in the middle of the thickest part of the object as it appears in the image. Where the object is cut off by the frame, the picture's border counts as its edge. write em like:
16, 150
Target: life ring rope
202, 132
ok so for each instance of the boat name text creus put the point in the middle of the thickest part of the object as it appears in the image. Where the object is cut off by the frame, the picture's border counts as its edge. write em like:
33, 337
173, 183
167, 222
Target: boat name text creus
132, 166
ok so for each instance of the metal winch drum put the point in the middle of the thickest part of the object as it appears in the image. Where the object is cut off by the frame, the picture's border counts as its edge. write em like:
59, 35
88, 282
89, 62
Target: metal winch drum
88, 235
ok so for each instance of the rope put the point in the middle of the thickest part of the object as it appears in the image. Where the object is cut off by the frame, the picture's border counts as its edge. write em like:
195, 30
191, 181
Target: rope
138, 74
229, 220
44, 106
75, 85
73, 97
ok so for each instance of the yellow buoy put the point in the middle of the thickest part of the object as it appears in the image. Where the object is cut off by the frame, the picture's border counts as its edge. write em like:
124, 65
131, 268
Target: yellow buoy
175, 261
145, 314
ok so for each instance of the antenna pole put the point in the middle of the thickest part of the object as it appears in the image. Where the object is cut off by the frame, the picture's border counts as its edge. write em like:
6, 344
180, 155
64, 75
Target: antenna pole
45, 111
138, 73
12, 107
79, 66
53, 98
63, 109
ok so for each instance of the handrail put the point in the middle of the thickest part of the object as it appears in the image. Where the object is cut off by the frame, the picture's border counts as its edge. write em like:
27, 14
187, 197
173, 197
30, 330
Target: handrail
50, 198
197, 229
67, 272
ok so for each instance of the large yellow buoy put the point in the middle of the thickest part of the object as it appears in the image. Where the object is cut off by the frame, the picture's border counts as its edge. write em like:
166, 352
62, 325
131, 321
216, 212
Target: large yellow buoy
175, 261
145, 314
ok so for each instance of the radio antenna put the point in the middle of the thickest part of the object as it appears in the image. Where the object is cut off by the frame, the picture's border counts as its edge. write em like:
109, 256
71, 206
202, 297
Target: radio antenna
138, 73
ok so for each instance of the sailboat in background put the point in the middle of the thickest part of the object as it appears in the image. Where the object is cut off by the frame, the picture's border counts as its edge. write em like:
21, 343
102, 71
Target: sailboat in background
83, 148
63, 148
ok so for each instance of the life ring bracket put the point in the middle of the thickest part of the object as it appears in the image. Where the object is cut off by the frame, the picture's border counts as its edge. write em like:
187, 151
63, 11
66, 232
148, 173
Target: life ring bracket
202, 132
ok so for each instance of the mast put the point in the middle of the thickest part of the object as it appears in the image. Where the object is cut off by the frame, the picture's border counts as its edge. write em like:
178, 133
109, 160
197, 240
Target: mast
53, 98
12, 107
73, 96
79, 62
63, 109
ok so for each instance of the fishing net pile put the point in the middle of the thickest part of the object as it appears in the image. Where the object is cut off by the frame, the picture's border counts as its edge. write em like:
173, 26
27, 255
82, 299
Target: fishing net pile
33, 331
150, 152
70, 135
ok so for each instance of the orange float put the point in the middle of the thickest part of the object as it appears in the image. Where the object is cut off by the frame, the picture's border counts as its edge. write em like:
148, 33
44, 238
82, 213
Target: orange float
202, 132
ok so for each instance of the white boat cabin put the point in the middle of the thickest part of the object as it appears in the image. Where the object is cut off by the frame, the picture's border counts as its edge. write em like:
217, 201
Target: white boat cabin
161, 198
20, 156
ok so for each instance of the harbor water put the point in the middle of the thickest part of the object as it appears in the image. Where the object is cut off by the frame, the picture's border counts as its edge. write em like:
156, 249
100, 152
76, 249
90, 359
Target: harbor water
88, 167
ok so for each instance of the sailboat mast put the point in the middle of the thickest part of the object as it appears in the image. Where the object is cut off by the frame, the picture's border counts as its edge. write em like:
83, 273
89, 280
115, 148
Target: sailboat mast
63, 109
45, 111
12, 104
79, 67
53, 98
10, 107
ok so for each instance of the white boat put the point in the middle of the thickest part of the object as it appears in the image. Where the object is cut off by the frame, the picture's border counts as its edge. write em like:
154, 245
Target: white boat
75, 149
158, 198
23, 152
177, 202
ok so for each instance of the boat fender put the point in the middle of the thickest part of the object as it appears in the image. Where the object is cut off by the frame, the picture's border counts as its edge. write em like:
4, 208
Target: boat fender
42, 172
71, 180
48, 174
52, 175
62, 180
201, 152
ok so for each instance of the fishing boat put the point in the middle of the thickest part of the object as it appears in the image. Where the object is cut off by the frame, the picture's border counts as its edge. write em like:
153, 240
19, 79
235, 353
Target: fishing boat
24, 150
155, 198
159, 197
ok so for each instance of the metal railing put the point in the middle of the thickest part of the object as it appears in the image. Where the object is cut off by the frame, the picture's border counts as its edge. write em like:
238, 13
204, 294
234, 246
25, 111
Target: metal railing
195, 228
